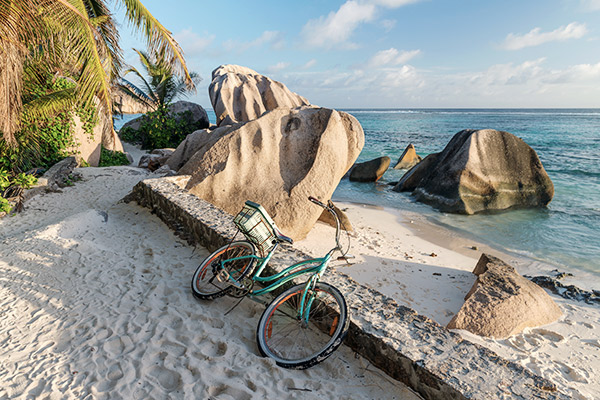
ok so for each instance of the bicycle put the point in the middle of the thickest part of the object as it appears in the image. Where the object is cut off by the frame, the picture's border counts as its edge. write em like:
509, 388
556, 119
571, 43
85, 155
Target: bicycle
304, 324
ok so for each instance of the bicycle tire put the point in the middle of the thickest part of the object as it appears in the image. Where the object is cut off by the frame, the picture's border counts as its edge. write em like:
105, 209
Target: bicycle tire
206, 286
282, 336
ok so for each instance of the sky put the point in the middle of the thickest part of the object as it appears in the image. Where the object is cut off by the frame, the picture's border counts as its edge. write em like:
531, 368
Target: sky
395, 53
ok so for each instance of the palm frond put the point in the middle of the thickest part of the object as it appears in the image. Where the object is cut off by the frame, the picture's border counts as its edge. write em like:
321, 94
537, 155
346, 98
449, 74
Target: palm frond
157, 36
135, 93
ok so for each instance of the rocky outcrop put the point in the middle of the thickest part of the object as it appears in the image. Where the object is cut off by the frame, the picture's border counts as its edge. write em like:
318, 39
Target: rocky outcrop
197, 117
502, 303
370, 171
239, 94
408, 159
481, 170
195, 142
156, 159
277, 160
328, 219
88, 145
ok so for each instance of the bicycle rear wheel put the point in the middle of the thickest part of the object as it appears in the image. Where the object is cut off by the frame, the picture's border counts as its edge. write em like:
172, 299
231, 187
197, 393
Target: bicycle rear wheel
213, 276
292, 343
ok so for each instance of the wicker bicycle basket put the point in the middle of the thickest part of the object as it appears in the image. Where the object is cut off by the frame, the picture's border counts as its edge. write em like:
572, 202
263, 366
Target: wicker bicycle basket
254, 222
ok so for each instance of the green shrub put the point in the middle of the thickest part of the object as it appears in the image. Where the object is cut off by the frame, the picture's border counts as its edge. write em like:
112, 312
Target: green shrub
5, 206
130, 135
11, 183
109, 158
159, 129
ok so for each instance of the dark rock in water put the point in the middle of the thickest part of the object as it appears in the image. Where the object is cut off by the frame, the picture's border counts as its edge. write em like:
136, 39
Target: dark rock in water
567, 291
411, 179
370, 171
481, 170
408, 159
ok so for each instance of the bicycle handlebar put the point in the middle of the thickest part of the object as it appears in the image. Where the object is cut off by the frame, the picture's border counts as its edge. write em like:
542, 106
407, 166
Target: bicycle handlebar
316, 201
329, 207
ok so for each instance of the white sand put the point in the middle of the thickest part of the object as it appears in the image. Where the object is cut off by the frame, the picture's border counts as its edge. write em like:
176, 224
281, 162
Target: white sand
96, 303
393, 257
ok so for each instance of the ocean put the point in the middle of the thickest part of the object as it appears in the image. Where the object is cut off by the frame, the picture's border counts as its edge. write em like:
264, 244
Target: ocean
566, 234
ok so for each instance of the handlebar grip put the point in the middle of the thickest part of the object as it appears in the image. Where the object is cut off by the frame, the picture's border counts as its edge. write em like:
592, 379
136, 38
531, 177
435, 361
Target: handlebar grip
316, 201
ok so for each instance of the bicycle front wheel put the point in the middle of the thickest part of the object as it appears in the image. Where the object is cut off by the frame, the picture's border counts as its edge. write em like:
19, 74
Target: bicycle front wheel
284, 335
214, 275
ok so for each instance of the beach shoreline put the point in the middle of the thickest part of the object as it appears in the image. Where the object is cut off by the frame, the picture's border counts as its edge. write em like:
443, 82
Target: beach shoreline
429, 268
400, 254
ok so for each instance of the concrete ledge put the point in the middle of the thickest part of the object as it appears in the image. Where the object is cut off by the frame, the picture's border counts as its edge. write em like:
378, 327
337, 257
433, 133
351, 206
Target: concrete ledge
411, 348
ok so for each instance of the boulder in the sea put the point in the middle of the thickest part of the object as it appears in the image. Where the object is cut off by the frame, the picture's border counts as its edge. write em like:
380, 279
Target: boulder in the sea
408, 159
239, 94
413, 176
370, 171
278, 161
482, 170
502, 303
328, 219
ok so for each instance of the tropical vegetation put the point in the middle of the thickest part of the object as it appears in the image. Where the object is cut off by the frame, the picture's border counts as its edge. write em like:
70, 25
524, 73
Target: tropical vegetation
162, 86
59, 57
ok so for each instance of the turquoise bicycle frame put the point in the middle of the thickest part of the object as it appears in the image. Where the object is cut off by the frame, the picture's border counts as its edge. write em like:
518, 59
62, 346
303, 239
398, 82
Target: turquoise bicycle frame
281, 278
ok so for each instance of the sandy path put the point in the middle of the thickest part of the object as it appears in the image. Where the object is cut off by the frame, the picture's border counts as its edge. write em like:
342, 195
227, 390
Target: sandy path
96, 304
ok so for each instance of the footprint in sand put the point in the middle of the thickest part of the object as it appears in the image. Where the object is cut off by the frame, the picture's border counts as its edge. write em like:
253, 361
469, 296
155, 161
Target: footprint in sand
228, 392
167, 379
548, 335
211, 350
570, 373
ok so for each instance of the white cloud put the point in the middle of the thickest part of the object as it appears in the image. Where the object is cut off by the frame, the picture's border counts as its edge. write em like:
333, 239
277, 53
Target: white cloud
575, 73
193, 44
392, 57
527, 84
277, 67
274, 39
592, 5
536, 37
393, 3
388, 24
508, 74
309, 64
337, 27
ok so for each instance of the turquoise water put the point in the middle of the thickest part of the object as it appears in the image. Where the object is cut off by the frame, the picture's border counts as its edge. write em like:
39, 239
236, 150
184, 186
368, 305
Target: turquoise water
566, 234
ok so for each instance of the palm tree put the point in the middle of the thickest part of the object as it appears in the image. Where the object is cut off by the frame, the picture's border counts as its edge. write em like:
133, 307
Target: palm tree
162, 87
77, 35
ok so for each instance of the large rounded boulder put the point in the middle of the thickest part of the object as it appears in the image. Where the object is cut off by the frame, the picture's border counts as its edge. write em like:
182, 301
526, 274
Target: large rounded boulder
481, 170
277, 160
239, 94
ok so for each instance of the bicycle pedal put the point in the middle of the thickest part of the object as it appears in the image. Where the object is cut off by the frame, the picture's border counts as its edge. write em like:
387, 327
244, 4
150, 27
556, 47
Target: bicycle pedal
223, 276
